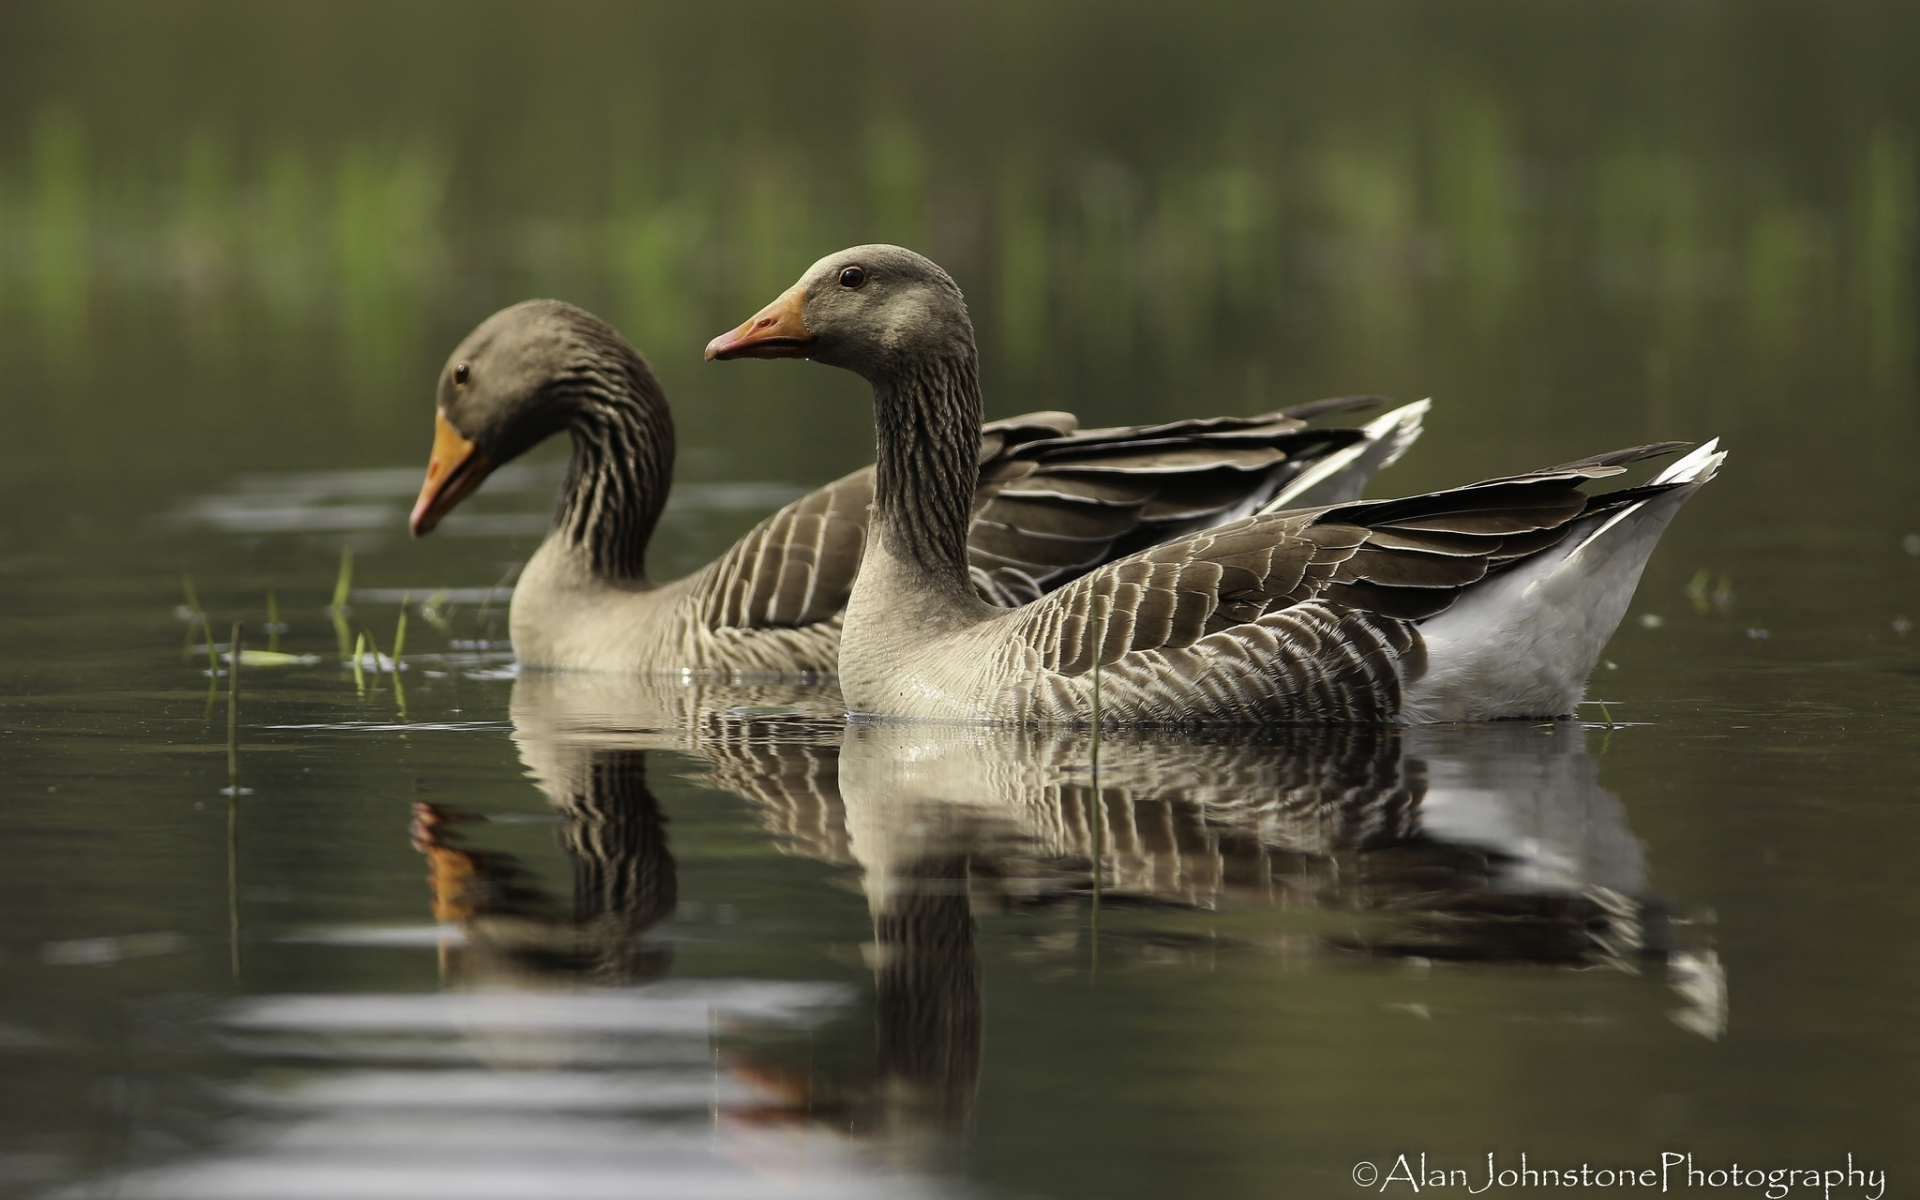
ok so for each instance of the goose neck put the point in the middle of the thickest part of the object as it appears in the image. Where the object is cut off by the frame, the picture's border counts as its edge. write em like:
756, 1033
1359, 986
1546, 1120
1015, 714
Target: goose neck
621, 470
927, 420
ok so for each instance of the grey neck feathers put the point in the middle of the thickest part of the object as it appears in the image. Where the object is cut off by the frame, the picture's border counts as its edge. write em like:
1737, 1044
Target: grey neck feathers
927, 419
622, 460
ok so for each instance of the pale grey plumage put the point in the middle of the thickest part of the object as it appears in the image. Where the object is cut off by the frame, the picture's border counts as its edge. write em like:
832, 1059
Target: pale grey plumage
1310, 615
1049, 501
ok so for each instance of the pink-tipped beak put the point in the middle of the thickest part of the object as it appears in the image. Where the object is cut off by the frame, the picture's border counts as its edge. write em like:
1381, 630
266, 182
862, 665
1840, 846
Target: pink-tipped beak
776, 331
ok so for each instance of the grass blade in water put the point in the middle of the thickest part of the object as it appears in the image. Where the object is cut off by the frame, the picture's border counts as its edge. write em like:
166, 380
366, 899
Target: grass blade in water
233, 806
196, 614
233, 713
343, 583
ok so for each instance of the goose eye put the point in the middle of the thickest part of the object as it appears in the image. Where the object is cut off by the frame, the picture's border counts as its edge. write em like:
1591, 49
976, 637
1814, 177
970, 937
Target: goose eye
852, 277
460, 373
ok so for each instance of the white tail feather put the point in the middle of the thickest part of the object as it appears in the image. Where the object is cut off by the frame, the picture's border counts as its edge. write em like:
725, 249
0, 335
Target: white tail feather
1340, 477
1702, 464
1523, 643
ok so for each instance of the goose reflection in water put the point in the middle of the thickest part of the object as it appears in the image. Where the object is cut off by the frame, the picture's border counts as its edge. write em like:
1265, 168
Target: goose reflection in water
1484, 843
1469, 843
624, 883
553, 1060
584, 741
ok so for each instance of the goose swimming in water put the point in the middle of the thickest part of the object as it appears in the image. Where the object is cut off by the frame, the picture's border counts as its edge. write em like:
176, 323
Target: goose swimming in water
1047, 501
1487, 601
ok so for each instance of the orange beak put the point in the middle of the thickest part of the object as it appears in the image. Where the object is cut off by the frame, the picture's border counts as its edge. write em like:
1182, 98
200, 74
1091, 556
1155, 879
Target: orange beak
453, 471
776, 331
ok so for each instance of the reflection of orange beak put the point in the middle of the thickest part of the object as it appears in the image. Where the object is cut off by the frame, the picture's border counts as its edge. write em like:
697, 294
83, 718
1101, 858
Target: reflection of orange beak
453, 471
776, 331
451, 872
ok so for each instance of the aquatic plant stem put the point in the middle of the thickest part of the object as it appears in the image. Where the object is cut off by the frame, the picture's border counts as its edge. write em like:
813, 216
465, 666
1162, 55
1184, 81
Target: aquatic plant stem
343, 582
381, 665
197, 615
213, 653
233, 711
342, 587
399, 643
233, 805
213, 650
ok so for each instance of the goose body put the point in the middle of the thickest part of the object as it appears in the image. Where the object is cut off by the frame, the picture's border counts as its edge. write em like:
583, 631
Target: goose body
1483, 602
1048, 501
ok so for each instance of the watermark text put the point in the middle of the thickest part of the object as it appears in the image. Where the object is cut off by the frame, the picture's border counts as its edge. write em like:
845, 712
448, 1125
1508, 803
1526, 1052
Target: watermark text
1413, 1173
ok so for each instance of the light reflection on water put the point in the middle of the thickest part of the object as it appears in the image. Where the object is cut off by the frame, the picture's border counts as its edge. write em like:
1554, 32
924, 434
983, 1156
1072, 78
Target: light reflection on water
566, 1051
610, 1093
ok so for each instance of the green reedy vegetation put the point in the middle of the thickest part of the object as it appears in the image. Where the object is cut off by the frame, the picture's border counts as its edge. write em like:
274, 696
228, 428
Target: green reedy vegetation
1419, 206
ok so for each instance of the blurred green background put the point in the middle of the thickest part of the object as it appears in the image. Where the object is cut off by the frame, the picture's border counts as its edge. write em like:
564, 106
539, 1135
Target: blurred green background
1698, 210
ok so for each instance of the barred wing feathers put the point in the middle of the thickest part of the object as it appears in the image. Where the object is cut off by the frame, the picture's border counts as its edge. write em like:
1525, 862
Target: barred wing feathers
1050, 508
1053, 501
796, 568
1301, 615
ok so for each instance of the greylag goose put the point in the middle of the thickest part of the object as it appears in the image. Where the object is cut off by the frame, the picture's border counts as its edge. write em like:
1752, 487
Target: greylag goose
1481, 602
1048, 502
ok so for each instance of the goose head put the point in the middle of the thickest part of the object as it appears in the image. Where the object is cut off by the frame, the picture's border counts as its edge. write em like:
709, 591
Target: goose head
875, 310
508, 386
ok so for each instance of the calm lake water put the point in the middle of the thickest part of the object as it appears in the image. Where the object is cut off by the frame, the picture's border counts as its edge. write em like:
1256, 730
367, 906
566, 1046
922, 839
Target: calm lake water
462, 933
